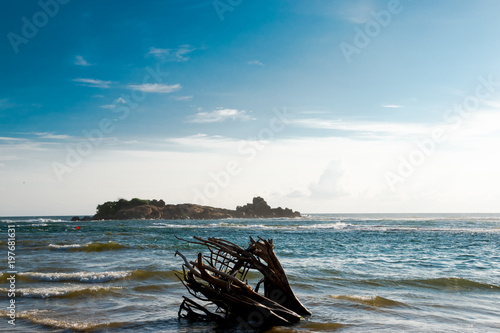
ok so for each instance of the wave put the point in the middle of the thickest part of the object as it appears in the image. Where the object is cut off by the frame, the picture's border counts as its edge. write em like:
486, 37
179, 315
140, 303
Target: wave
87, 277
36, 220
140, 274
154, 288
324, 225
444, 283
63, 292
375, 301
316, 327
92, 277
40, 317
452, 283
337, 225
89, 247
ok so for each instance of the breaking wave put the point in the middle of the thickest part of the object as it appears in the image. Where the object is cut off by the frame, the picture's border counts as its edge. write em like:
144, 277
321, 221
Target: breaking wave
89, 247
64, 292
92, 277
40, 317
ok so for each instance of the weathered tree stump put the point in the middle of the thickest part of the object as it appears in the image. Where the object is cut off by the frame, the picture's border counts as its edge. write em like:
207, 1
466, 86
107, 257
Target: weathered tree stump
218, 279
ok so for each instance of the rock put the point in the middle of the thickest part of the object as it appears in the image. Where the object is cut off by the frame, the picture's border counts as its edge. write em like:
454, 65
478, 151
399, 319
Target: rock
260, 209
86, 218
139, 212
75, 218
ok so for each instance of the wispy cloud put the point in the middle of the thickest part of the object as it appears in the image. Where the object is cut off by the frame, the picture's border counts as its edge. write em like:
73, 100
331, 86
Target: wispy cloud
358, 12
313, 112
114, 104
392, 106
179, 54
183, 98
5, 104
80, 61
10, 147
46, 135
256, 63
156, 87
362, 126
93, 83
492, 104
220, 115
4, 138
202, 140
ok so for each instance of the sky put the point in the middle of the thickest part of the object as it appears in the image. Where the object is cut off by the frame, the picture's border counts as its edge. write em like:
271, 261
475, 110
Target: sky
361, 106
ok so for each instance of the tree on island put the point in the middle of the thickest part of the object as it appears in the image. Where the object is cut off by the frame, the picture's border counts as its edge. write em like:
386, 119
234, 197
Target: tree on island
110, 208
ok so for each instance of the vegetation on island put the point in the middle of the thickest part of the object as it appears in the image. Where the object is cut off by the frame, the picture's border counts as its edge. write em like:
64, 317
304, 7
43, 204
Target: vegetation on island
110, 208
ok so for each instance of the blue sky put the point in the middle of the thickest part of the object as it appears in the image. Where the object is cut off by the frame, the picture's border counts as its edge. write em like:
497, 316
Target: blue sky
215, 102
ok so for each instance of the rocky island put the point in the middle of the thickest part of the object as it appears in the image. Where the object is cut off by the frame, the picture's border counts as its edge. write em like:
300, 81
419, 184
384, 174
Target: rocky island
157, 209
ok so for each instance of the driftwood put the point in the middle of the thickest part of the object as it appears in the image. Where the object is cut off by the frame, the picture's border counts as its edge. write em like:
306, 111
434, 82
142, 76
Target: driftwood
219, 280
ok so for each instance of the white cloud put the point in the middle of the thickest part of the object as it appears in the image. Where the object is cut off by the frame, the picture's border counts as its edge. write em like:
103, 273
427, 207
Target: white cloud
220, 115
179, 54
80, 61
255, 62
93, 83
309, 174
203, 141
333, 182
156, 88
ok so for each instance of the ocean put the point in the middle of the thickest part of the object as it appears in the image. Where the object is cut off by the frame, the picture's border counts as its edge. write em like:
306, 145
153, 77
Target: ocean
356, 273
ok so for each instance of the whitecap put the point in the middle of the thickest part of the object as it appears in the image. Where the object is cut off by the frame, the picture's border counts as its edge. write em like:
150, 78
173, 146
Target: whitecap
89, 277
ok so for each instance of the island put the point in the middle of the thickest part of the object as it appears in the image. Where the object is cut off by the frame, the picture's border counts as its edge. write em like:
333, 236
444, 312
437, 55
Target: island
157, 209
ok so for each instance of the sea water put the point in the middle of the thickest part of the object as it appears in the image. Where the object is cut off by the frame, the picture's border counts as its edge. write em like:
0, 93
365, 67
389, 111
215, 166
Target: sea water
356, 273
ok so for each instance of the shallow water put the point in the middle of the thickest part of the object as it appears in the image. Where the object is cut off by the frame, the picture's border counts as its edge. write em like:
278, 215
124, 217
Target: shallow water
356, 273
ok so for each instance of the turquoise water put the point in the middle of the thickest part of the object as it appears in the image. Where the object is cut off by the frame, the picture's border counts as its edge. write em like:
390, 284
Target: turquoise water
356, 273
